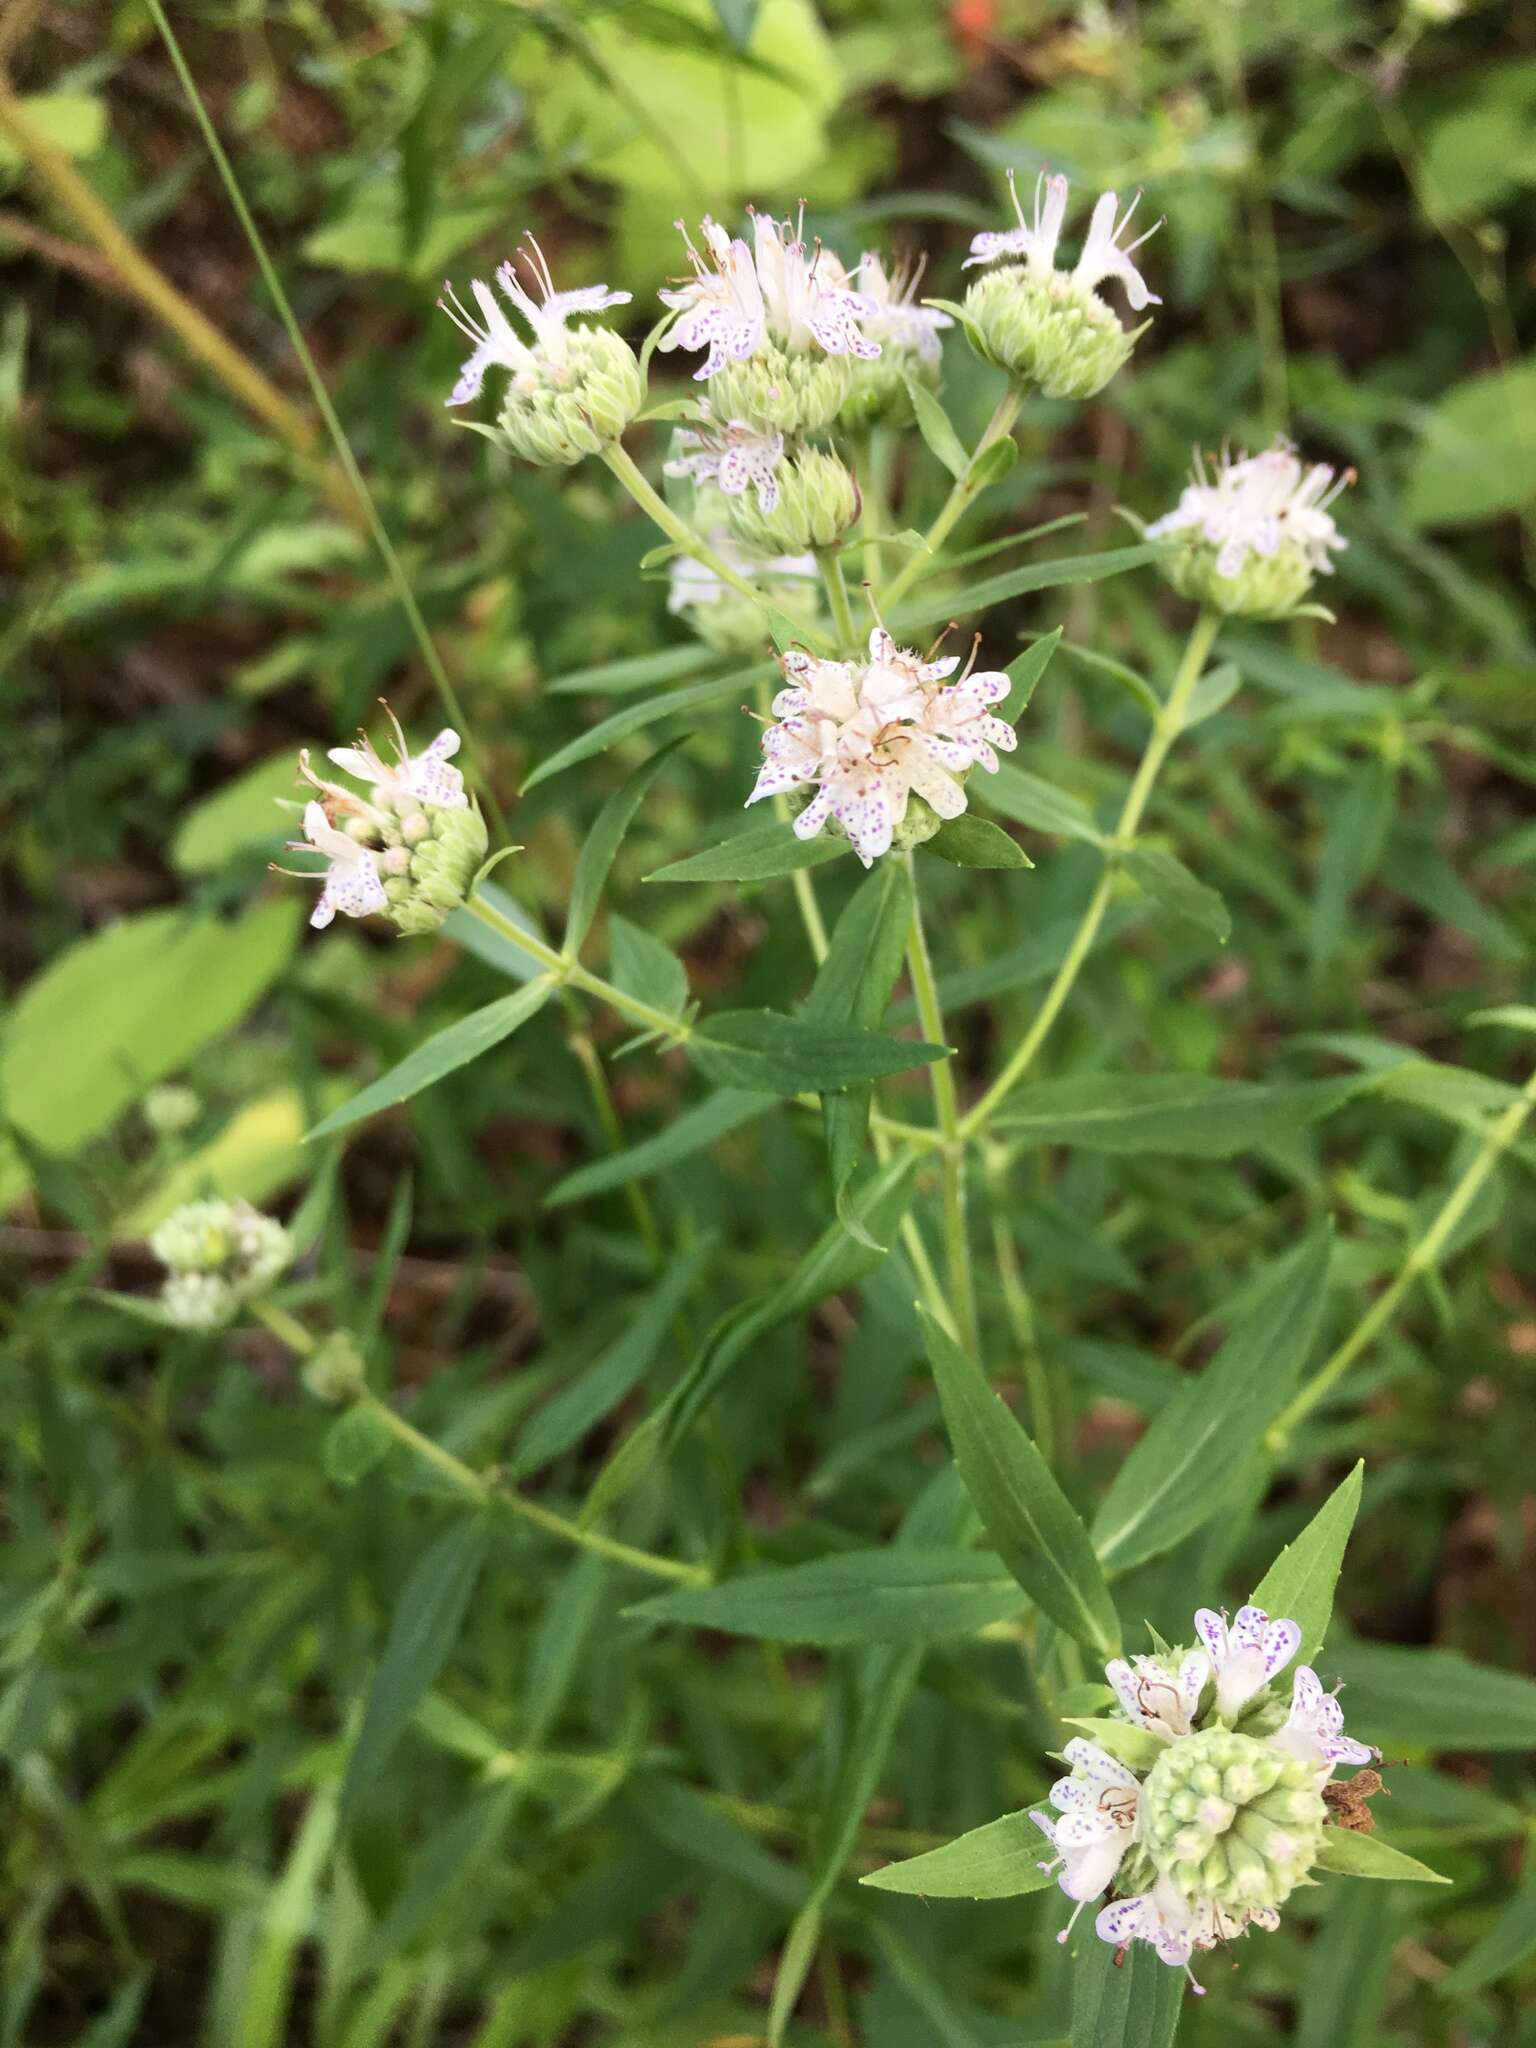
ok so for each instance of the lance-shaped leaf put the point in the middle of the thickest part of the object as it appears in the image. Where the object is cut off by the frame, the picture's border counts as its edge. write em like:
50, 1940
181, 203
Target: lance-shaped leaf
853, 986
1029, 1521
1132, 2001
602, 843
999, 1861
1300, 1582
777, 1055
1360, 1855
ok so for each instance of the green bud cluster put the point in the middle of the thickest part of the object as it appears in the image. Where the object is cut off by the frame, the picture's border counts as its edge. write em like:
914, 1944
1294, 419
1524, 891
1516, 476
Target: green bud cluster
780, 391
1229, 1819
171, 1108
1050, 332
219, 1254
1265, 587
333, 1371
818, 502
573, 403
430, 858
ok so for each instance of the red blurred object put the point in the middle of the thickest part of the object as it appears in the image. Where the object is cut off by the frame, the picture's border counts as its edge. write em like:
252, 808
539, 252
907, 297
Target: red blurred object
973, 23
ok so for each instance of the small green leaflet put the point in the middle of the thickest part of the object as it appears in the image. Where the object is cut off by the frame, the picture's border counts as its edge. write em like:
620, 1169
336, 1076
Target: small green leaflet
1168, 882
853, 986
999, 1861
602, 844
692, 1132
635, 717
1029, 1520
934, 426
972, 842
761, 853
776, 1055
1360, 1855
1300, 1582
993, 590
439, 1055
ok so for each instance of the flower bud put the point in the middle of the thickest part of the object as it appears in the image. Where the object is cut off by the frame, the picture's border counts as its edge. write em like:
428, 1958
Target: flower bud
818, 501
334, 1370
198, 1301
559, 408
910, 348
782, 391
171, 1108
1231, 1820
440, 868
1047, 331
1254, 531
219, 1254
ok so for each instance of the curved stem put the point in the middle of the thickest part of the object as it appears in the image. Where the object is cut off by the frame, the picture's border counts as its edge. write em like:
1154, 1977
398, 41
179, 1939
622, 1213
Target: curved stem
1420, 1259
570, 971
1166, 729
963, 491
837, 601
957, 1246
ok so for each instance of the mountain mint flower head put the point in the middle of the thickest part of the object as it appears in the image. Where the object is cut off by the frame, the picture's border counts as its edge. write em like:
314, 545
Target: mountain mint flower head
218, 1255
1051, 327
908, 335
885, 744
409, 850
779, 324
1208, 1833
816, 503
731, 457
571, 390
721, 616
1256, 531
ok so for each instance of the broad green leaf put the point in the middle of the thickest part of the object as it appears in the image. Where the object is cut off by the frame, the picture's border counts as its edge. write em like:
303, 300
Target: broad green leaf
422, 1633
1301, 1581
1477, 458
853, 986
119, 1010
738, 18
644, 968
694, 1131
1132, 2001
1505, 1946
669, 704
761, 853
1028, 1519
1174, 1479
1402, 1698
933, 424
972, 842
995, 590
242, 815
602, 844
1168, 882
1192, 1116
777, 1055
999, 1861
1360, 1855
1038, 804
895, 1595
439, 1055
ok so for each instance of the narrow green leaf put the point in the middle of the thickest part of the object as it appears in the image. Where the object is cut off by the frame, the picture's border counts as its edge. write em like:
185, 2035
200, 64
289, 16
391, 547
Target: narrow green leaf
972, 842
1505, 1946
1360, 1855
636, 672
761, 853
999, 1861
1214, 691
694, 1131
1419, 1699
422, 1632
1053, 575
1132, 2001
1024, 673
777, 1055
1171, 1482
636, 717
1137, 1747
439, 1055
1039, 804
1348, 1968
1301, 1581
1029, 1520
1168, 882
896, 1595
1193, 1116
644, 968
853, 986
934, 426
602, 844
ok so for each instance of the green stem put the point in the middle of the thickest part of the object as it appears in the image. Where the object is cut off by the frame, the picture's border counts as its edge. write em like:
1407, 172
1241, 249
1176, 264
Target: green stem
1421, 1259
964, 489
1165, 730
946, 1107
837, 602
287, 1328
569, 971
875, 516
1021, 1316
676, 528
590, 1062
344, 456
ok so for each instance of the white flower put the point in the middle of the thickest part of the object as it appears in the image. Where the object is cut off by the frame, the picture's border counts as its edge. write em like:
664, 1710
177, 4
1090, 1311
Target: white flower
741, 298
1156, 1698
1246, 1657
496, 340
694, 583
732, 456
1176, 1926
1035, 241
426, 777
897, 320
1315, 1730
1255, 504
870, 734
1098, 1808
351, 881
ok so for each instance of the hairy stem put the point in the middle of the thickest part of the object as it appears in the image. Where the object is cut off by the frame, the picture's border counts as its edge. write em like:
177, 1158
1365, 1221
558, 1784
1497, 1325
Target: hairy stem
1166, 729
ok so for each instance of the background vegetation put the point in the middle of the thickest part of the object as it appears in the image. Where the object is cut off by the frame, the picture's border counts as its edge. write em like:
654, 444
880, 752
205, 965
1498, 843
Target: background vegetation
572, 1824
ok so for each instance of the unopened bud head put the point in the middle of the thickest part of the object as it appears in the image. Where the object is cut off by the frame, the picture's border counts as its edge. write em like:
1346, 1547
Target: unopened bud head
1230, 1820
816, 504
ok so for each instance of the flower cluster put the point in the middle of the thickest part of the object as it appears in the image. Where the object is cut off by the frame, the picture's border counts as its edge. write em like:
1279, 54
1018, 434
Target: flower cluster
1256, 530
408, 850
1212, 1837
218, 1255
1051, 327
885, 744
